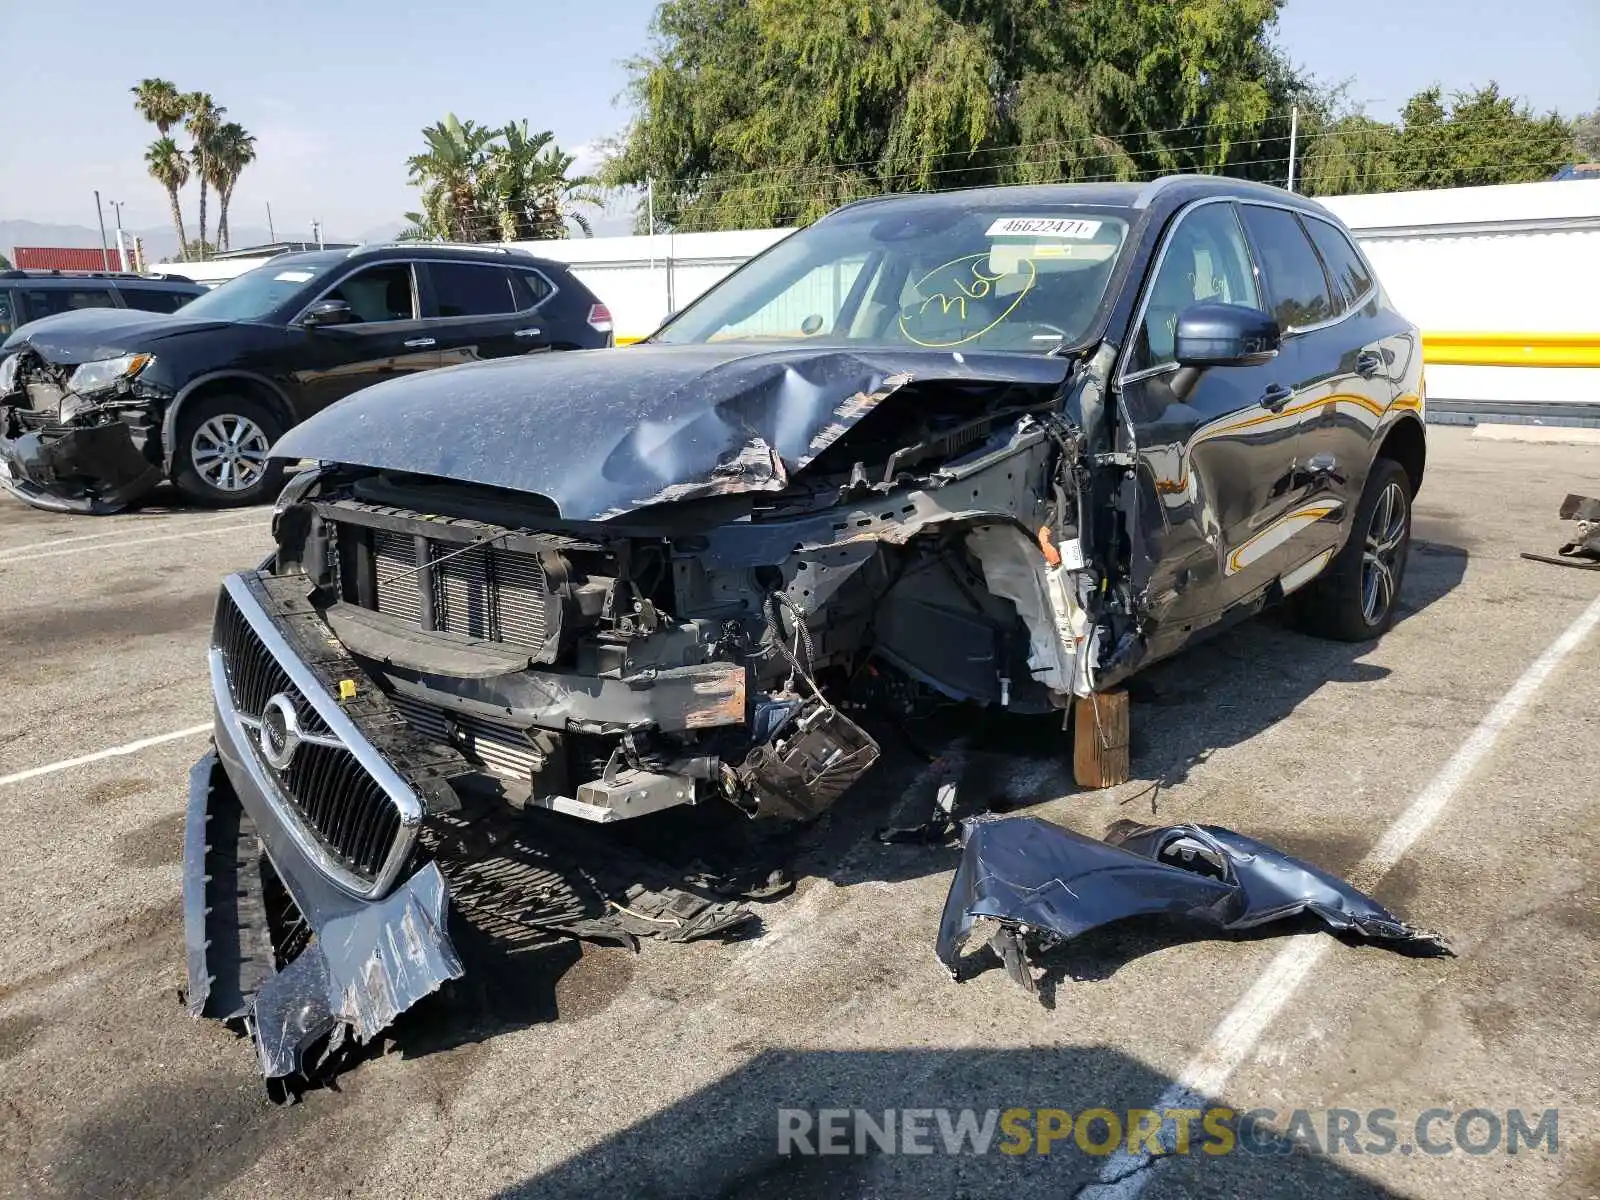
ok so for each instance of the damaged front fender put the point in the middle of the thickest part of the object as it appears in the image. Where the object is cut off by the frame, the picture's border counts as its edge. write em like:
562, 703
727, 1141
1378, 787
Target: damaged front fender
1035, 877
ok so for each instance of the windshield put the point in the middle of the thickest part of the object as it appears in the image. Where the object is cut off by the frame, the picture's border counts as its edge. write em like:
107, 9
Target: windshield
927, 272
251, 296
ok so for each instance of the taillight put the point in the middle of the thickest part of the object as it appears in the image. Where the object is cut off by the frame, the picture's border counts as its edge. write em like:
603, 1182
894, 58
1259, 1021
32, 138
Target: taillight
600, 318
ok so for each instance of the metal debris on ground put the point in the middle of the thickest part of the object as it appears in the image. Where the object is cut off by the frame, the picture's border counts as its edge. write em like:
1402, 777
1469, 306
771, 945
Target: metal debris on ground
1043, 885
1583, 551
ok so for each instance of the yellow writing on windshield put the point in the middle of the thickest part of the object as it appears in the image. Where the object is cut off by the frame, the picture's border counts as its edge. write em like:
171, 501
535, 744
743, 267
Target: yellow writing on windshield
961, 291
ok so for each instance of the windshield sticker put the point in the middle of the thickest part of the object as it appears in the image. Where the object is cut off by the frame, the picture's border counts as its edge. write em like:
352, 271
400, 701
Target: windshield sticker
1052, 227
959, 302
292, 276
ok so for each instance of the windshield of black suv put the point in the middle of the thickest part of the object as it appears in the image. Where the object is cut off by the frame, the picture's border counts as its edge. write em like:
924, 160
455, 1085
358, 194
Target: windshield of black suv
253, 295
926, 272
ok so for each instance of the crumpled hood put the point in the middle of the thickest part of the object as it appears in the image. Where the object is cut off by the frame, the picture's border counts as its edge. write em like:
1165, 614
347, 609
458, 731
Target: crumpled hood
87, 334
602, 432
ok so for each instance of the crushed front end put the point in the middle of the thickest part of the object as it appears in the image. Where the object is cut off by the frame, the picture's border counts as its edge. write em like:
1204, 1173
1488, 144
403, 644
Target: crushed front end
77, 437
444, 694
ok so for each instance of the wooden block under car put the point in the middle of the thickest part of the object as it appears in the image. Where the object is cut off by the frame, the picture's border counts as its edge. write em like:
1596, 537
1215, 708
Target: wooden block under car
1100, 739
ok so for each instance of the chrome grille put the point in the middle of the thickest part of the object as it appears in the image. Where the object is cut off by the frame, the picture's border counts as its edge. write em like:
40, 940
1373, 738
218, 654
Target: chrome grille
502, 749
333, 795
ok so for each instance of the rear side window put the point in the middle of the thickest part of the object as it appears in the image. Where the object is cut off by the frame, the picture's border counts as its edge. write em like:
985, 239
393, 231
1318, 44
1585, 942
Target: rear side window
8, 320
1349, 273
471, 290
47, 302
1300, 295
530, 288
1205, 259
156, 300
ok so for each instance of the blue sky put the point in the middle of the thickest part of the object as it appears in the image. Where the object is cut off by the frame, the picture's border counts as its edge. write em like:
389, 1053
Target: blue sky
336, 93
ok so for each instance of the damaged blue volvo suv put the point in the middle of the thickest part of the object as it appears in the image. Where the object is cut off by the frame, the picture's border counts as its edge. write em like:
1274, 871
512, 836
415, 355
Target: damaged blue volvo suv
1002, 447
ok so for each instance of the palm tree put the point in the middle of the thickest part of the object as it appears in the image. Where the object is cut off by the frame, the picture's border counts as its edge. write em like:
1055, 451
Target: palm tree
233, 150
531, 193
202, 120
170, 168
159, 102
479, 183
448, 172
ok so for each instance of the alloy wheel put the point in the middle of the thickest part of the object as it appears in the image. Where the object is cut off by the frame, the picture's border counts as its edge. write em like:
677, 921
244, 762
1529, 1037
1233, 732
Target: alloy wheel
229, 452
1386, 533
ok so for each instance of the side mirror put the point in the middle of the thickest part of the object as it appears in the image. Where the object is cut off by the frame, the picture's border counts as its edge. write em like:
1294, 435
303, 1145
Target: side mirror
1212, 334
327, 312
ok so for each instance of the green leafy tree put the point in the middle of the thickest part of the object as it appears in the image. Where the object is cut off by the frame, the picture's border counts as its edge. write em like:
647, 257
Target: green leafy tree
169, 166
5, 263
202, 119
756, 112
480, 184
1586, 134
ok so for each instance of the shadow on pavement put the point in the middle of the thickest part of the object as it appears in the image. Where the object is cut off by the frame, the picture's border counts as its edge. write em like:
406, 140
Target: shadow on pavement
722, 1141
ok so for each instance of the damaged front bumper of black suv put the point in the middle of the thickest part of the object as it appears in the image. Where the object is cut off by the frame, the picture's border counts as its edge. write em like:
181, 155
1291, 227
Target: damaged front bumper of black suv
99, 458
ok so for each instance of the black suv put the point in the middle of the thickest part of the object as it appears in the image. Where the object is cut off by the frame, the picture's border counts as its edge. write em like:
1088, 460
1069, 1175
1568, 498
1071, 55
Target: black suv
98, 406
1001, 447
33, 295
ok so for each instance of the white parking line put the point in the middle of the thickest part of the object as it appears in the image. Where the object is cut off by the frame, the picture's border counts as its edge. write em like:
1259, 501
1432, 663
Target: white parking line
115, 752
1125, 1175
116, 530
256, 526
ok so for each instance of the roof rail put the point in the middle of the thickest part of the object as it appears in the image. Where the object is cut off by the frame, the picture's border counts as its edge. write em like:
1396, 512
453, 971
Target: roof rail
468, 247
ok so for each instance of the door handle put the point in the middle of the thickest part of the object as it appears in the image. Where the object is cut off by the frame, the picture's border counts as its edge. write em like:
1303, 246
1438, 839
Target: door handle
420, 343
1275, 397
526, 333
1368, 363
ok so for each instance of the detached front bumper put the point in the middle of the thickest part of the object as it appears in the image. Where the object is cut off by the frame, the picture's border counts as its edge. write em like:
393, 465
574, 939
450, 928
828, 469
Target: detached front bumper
365, 960
93, 469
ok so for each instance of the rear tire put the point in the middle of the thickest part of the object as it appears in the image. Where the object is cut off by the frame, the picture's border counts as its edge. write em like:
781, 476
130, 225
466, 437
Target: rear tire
1357, 597
220, 459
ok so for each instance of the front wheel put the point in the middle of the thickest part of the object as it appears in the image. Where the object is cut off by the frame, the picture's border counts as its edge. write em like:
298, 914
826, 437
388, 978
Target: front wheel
221, 455
1357, 598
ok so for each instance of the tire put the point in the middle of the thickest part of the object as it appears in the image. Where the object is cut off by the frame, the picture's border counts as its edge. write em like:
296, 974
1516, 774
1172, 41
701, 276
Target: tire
220, 459
1357, 598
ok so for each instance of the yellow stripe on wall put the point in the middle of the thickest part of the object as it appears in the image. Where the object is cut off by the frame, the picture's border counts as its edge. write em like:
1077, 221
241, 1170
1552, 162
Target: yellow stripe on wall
1512, 349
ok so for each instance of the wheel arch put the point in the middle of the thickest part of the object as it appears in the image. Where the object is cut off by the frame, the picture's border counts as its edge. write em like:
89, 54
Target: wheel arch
257, 387
1406, 443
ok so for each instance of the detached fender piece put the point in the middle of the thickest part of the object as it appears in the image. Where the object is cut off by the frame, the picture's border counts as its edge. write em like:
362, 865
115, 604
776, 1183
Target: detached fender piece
1032, 876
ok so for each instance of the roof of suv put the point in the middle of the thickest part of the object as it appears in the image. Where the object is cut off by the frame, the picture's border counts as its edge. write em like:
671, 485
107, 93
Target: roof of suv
1108, 195
40, 278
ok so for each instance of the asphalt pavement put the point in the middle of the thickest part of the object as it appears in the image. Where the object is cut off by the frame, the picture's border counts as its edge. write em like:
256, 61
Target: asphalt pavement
1449, 768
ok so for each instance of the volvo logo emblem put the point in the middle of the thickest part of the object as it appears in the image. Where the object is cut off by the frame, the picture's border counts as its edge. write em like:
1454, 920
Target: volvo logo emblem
280, 731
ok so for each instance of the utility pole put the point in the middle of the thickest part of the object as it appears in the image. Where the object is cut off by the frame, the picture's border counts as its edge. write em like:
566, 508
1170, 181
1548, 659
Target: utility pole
316, 232
105, 255
1294, 135
272, 234
122, 254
